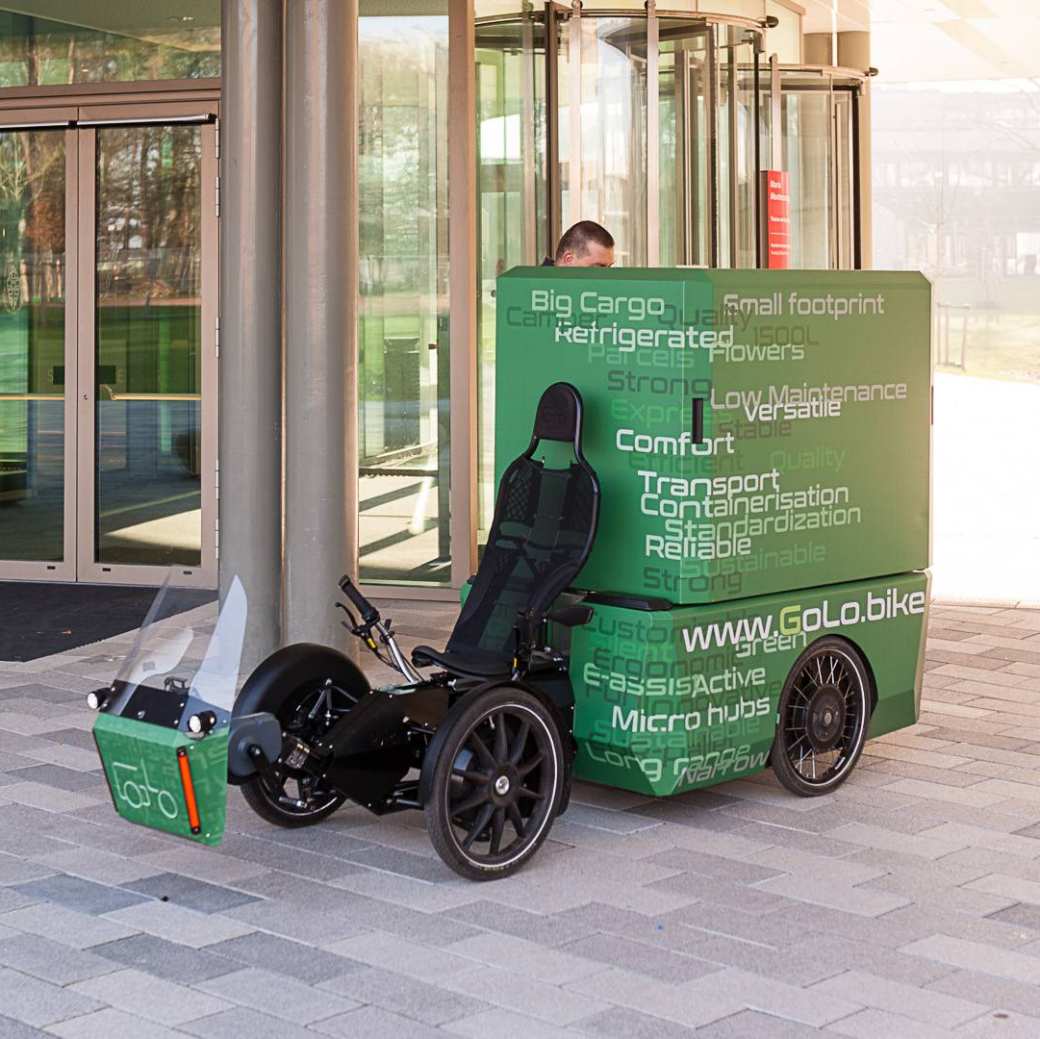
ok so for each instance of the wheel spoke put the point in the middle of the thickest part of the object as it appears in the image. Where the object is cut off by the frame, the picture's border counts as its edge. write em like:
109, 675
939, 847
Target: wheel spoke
487, 759
516, 819
501, 738
530, 765
471, 775
519, 742
483, 818
473, 800
498, 823
531, 795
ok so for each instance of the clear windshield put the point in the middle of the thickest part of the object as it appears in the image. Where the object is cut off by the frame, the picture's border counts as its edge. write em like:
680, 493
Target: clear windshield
188, 650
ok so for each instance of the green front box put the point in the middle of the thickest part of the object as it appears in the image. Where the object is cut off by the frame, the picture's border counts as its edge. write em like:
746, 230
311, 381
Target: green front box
672, 700
814, 394
144, 775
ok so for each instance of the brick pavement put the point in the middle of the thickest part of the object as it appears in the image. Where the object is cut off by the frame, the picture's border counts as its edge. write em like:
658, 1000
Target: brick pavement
907, 904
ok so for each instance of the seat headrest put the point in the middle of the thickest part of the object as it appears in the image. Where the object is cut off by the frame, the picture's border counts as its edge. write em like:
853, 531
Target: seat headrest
559, 414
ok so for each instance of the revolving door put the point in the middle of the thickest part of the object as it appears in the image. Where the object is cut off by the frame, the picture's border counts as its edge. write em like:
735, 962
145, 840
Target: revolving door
647, 124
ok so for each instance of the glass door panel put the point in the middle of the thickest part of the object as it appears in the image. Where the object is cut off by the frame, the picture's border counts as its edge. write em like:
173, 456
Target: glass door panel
33, 367
737, 131
685, 142
148, 346
512, 217
614, 131
404, 429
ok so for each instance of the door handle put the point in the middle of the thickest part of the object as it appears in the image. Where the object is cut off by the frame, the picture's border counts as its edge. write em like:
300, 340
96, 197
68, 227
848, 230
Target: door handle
697, 420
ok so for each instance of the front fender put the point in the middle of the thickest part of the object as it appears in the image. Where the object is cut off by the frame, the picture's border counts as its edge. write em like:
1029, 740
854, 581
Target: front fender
285, 670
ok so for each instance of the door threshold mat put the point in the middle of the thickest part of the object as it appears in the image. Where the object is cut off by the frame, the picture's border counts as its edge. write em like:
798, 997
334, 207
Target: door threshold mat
38, 619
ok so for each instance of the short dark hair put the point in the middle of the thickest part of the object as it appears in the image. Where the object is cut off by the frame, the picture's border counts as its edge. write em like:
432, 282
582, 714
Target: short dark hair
577, 239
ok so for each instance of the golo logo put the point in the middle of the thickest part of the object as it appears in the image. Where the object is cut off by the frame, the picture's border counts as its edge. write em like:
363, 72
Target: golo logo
136, 790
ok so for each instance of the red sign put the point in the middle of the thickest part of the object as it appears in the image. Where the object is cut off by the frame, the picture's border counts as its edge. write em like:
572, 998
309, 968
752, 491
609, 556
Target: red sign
776, 192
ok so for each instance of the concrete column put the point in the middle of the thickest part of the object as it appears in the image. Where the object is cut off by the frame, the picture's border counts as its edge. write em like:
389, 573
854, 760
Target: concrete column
818, 48
250, 504
854, 53
320, 320
462, 286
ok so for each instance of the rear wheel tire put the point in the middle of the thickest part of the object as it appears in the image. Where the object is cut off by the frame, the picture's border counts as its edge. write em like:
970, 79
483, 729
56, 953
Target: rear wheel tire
822, 719
497, 782
291, 797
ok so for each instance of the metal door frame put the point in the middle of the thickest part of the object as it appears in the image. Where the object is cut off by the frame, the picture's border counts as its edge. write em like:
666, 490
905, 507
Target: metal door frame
79, 124
93, 118
57, 120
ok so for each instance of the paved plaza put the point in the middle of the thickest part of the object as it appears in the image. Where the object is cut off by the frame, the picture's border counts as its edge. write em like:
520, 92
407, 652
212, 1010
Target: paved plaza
907, 904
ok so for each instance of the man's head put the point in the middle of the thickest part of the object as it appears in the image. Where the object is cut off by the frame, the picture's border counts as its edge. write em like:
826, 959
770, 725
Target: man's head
586, 244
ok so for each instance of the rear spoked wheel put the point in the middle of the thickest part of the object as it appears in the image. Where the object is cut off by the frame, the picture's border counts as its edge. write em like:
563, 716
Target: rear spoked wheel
822, 719
289, 796
497, 780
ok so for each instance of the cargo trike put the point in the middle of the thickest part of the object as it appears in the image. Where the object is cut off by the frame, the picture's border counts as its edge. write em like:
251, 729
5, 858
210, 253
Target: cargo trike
707, 556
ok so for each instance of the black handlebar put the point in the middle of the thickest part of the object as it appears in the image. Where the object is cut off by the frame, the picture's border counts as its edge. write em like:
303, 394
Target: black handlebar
369, 614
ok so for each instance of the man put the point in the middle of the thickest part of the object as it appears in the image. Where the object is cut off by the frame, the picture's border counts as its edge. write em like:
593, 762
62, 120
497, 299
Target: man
586, 244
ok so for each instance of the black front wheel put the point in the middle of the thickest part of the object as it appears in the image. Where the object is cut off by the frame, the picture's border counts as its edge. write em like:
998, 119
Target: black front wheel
288, 796
822, 718
496, 783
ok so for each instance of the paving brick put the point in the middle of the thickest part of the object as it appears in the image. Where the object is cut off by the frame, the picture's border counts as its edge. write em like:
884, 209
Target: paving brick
419, 1000
870, 1024
241, 1022
282, 956
51, 961
276, 995
1021, 997
681, 1004
144, 995
78, 930
846, 897
778, 998
111, 1024
12, 1029
985, 959
536, 927
84, 896
625, 1023
1002, 1025
39, 1003
190, 892
376, 1023
163, 959
928, 1007
640, 958
393, 953
177, 924
752, 1023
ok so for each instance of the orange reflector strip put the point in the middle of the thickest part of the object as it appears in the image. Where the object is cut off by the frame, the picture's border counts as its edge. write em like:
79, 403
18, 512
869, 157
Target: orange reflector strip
189, 790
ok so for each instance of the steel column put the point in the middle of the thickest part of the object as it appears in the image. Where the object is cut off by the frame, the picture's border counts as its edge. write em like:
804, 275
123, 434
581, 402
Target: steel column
320, 313
249, 363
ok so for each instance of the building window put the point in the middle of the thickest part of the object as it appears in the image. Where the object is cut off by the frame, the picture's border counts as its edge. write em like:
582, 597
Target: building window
110, 43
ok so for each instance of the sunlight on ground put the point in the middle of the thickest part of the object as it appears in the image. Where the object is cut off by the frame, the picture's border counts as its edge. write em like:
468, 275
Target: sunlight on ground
986, 494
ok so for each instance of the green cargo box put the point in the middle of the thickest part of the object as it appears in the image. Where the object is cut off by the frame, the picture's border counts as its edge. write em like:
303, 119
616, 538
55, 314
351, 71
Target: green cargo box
672, 700
811, 395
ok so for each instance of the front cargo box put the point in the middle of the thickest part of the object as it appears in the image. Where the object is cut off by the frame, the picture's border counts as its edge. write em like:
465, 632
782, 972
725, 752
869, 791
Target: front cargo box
810, 392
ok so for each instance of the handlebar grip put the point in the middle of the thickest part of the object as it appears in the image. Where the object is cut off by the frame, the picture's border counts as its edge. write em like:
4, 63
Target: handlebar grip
369, 614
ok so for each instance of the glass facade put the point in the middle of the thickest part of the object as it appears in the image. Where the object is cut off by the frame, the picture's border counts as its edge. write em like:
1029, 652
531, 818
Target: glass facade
651, 125
111, 43
404, 347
